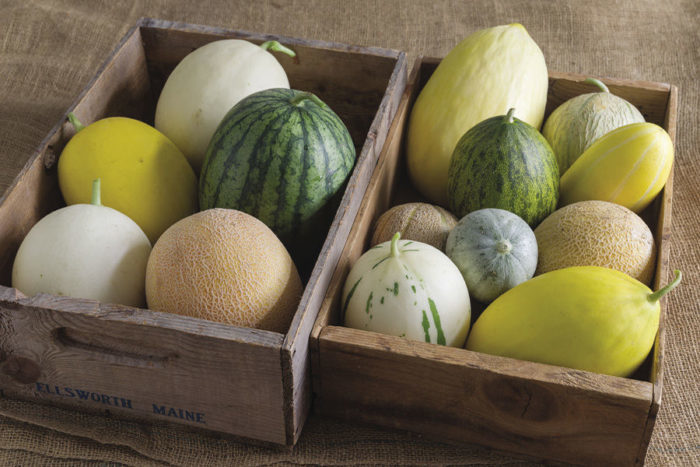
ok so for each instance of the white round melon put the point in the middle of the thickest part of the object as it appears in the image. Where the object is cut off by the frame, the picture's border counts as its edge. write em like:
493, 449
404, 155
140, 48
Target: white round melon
84, 251
205, 85
408, 289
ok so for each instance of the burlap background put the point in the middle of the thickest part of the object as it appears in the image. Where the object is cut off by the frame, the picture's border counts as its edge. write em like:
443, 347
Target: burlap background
50, 49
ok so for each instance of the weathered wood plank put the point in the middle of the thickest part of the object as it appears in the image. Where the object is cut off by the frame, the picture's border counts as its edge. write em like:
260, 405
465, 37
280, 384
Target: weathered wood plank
140, 362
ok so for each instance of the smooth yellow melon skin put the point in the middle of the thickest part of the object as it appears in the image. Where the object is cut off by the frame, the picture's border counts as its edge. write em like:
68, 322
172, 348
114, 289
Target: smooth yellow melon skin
483, 76
227, 266
585, 317
628, 166
596, 233
421, 222
144, 175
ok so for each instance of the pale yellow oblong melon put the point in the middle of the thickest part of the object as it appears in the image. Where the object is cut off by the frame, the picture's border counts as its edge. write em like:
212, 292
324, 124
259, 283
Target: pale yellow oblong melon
227, 266
421, 222
596, 233
628, 166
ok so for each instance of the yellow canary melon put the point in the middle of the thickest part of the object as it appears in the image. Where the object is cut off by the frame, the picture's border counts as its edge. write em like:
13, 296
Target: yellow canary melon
421, 222
628, 166
144, 175
596, 233
227, 266
584, 317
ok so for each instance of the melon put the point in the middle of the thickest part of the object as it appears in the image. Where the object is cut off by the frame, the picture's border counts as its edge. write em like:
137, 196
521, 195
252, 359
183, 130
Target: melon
580, 121
421, 222
224, 265
279, 155
583, 317
407, 289
596, 233
628, 166
504, 163
495, 250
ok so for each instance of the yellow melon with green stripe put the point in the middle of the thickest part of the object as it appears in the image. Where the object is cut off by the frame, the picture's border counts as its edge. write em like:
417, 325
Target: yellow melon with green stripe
628, 166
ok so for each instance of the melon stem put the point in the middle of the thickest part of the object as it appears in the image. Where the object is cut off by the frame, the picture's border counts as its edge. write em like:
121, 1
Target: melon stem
96, 201
599, 84
509, 115
395, 245
277, 47
302, 96
75, 122
656, 296
503, 246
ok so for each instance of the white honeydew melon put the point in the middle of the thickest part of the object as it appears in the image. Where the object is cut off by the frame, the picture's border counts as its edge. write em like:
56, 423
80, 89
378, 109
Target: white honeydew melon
84, 251
408, 289
483, 76
580, 121
207, 83
495, 250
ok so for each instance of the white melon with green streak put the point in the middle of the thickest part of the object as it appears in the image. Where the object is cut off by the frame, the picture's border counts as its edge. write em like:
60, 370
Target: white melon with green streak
408, 289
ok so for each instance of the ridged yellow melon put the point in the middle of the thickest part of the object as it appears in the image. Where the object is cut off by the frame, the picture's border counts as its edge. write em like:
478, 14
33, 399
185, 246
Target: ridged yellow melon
227, 266
596, 233
421, 222
628, 166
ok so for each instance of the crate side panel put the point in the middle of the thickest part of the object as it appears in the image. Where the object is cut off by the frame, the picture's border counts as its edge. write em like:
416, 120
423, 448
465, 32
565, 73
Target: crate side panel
502, 403
103, 357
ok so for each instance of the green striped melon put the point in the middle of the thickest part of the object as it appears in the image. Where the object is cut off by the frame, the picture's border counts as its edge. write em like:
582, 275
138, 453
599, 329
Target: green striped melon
504, 163
407, 289
279, 155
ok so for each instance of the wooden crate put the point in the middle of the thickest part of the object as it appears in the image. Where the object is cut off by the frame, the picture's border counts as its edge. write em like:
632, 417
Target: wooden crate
132, 362
541, 411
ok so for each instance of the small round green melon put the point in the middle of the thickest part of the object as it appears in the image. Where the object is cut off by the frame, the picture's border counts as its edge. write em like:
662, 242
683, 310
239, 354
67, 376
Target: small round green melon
504, 163
495, 250
578, 122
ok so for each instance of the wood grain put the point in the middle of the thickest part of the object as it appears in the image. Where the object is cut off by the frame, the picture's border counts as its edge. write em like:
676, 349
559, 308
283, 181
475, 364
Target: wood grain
117, 354
538, 410
250, 383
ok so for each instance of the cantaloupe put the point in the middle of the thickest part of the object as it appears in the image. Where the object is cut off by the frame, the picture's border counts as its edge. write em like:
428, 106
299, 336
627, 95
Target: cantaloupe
227, 266
421, 222
596, 233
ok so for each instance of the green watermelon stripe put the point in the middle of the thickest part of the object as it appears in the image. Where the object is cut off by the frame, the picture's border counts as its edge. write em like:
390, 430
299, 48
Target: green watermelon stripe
436, 320
322, 142
249, 199
303, 195
334, 128
271, 119
282, 201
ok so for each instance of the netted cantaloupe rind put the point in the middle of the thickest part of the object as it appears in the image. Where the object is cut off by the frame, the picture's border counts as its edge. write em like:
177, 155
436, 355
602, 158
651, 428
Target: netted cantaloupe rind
596, 233
421, 222
227, 266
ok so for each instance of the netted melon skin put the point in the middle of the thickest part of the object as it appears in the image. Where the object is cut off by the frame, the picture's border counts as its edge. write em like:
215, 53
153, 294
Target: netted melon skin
420, 222
227, 266
596, 233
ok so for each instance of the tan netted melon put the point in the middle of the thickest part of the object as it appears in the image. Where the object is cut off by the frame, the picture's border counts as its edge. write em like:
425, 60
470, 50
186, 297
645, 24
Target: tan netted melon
227, 266
420, 222
596, 233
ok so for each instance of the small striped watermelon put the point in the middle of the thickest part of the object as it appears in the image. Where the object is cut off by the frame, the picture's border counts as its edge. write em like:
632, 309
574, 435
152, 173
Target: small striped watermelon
504, 163
279, 155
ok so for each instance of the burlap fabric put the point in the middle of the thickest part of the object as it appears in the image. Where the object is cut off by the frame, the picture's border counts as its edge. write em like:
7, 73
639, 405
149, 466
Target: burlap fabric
50, 49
